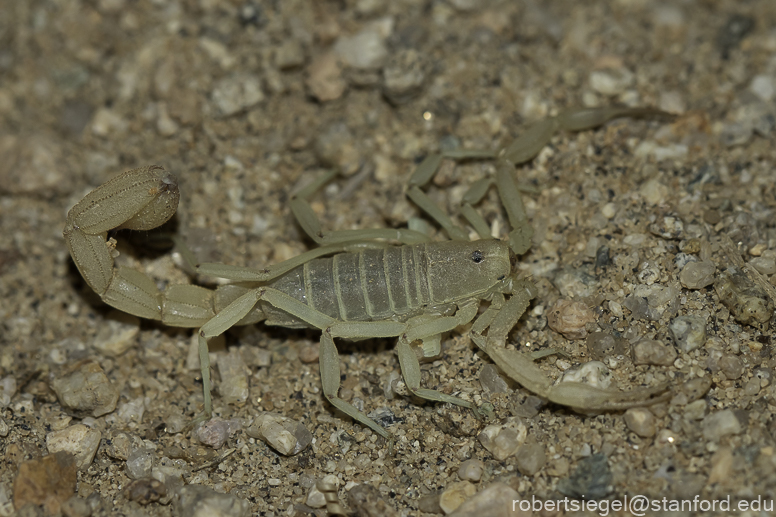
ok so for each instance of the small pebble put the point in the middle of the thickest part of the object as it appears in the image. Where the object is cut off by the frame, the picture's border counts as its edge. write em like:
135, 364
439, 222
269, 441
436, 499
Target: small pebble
601, 345
653, 352
286, 436
7, 390
503, 440
657, 295
216, 431
570, 318
695, 410
471, 470
530, 458
751, 388
764, 375
689, 332
697, 275
455, 494
591, 480
575, 283
638, 306
289, 54
309, 353
733, 31
593, 373
145, 491
118, 333
367, 500
491, 381
609, 210
765, 265
721, 466
736, 134
365, 50
335, 146
682, 259
324, 78
48, 481
720, 424
429, 503
641, 421
404, 75
667, 227
76, 507
764, 86
649, 275
234, 377
237, 93
695, 388
731, 366
80, 441
86, 389
132, 410
202, 501
140, 463
652, 190
611, 81
4, 428
120, 443
491, 502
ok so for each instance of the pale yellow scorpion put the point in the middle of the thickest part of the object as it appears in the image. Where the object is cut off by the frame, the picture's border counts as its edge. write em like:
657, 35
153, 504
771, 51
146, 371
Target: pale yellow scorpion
355, 285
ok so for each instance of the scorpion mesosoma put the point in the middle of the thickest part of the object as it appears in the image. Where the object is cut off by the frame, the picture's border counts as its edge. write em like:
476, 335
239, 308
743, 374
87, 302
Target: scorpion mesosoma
355, 285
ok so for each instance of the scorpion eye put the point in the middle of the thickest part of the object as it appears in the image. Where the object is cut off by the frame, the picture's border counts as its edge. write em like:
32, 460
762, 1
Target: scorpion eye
477, 256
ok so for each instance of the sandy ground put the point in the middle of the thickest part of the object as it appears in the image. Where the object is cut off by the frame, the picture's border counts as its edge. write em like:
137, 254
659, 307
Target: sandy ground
243, 101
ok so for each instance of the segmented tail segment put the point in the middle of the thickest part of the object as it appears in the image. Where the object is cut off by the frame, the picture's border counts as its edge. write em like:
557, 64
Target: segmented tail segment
140, 199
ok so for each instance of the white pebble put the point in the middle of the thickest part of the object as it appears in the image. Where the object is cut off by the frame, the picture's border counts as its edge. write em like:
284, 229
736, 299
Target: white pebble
503, 440
471, 470
763, 86
455, 494
78, 440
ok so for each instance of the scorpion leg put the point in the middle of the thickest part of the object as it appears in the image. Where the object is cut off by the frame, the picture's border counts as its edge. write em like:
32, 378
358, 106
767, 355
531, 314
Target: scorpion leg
520, 366
423, 329
309, 222
539, 134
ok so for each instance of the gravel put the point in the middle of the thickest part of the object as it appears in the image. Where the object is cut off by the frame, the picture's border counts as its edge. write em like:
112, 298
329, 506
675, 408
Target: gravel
246, 101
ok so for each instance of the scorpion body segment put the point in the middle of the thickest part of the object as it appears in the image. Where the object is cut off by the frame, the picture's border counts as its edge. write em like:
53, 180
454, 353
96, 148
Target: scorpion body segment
354, 285
395, 282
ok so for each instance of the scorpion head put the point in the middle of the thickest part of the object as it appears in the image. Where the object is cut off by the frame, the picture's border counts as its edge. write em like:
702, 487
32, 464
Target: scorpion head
462, 270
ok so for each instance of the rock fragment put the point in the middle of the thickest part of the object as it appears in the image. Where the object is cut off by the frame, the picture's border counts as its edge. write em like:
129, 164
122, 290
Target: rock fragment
689, 332
641, 421
234, 378
720, 424
48, 481
697, 275
283, 434
79, 440
592, 479
455, 494
569, 318
201, 501
503, 440
653, 352
494, 501
216, 431
86, 389
471, 470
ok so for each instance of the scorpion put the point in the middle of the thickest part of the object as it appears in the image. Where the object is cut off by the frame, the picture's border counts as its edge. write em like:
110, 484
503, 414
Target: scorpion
356, 285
